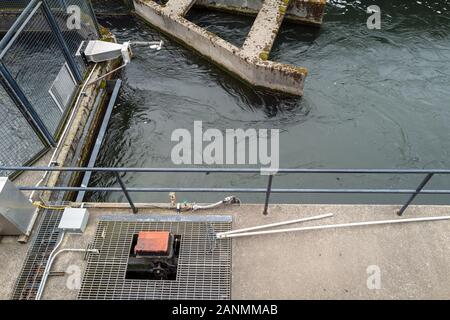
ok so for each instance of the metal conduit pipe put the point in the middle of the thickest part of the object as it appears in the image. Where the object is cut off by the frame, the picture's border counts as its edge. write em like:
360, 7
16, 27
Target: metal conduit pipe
63, 135
52, 258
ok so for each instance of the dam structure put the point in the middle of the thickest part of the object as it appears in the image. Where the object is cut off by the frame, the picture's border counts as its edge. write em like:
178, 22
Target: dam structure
82, 161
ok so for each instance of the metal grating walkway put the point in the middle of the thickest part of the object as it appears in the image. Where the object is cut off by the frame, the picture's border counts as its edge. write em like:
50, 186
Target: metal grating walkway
204, 267
46, 238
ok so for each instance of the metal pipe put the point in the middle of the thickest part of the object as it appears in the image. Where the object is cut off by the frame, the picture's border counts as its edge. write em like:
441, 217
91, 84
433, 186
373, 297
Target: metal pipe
414, 195
44, 277
11, 38
342, 225
107, 74
269, 188
231, 170
277, 224
125, 191
49, 266
100, 138
17, 24
234, 190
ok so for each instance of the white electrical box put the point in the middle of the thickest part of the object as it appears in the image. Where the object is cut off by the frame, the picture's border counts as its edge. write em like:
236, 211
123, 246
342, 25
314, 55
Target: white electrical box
16, 212
74, 220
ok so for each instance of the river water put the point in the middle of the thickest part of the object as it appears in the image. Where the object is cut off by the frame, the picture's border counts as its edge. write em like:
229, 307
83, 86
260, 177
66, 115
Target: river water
373, 99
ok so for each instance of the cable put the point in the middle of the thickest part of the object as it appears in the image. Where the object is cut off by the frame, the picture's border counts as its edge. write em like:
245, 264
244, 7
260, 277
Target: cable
40, 205
227, 200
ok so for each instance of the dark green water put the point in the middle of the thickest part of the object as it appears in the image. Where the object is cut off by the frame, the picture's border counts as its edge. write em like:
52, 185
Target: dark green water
373, 99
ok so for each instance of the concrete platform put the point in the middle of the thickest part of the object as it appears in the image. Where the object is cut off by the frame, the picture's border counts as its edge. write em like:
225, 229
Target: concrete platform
413, 259
249, 63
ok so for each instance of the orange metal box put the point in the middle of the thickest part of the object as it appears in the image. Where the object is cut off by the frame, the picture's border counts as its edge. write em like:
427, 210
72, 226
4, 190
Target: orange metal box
152, 243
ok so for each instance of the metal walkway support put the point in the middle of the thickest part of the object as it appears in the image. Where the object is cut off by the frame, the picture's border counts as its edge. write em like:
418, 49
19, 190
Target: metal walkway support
249, 63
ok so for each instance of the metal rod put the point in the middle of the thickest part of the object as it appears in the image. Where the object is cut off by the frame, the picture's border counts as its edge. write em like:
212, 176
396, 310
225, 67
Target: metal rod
8, 44
414, 195
127, 195
235, 190
277, 224
106, 74
342, 225
230, 170
17, 24
49, 266
269, 188
100, 138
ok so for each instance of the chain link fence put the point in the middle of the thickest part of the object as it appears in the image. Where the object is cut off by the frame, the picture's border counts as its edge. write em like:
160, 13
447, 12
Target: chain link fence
19, 143
40, 72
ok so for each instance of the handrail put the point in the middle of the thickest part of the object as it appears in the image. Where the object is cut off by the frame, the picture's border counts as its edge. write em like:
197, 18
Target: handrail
429, 173
228, 170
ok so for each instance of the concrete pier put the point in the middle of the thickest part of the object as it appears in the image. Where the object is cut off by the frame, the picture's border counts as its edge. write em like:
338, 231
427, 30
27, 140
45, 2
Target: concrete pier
259, 43
249, 63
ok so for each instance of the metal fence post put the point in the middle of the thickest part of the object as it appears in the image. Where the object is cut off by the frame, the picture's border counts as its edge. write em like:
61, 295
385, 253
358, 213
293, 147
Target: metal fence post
94, 17
125, 191
62, 43
25, 106
269, 189
414, 195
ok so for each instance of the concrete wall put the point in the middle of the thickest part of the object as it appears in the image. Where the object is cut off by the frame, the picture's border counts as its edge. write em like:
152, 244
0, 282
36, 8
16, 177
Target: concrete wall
252, 70
299, 11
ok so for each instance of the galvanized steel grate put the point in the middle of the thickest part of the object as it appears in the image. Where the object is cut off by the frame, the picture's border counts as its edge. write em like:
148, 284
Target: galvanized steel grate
204, 265
46, 238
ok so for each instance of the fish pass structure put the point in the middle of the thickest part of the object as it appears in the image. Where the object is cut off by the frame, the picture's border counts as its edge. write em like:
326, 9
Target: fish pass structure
251, 61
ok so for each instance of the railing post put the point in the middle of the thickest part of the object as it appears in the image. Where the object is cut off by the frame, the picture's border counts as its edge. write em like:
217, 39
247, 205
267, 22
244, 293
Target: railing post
414, 195
125, 191
269, 189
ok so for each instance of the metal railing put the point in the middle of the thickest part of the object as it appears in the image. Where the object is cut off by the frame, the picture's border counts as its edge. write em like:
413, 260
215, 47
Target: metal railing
39, 74
268, 190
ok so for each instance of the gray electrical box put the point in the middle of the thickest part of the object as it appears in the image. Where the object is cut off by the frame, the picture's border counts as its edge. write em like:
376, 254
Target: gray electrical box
74, 220
16, 212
